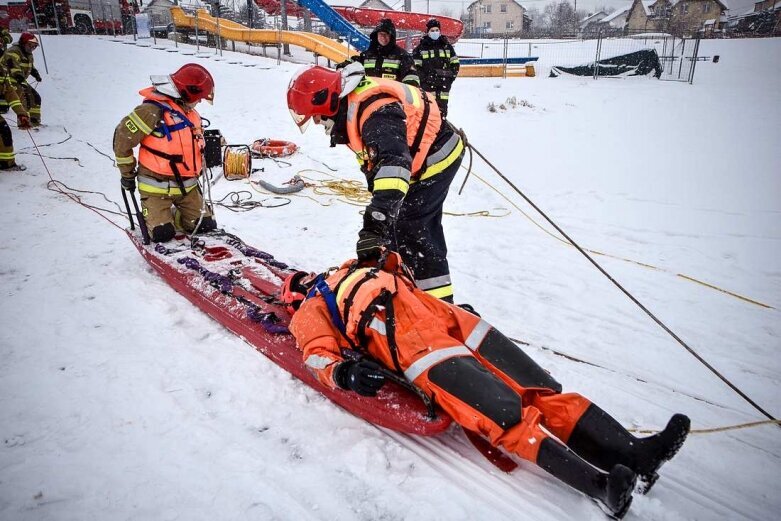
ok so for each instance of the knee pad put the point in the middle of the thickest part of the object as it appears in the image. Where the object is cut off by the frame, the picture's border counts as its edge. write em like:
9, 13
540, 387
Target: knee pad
163, 232
5, 134
207, 224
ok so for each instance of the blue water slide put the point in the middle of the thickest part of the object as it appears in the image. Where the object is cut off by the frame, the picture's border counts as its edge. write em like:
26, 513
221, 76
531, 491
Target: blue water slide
336, 23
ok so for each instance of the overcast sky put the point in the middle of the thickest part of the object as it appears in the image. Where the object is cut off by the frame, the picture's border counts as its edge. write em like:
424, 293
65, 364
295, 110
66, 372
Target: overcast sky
436, 6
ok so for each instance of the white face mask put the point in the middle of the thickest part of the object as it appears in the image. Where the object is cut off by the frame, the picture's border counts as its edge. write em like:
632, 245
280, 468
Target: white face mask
434, 35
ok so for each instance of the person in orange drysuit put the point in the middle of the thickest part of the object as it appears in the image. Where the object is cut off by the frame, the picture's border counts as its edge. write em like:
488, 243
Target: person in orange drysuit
472, 371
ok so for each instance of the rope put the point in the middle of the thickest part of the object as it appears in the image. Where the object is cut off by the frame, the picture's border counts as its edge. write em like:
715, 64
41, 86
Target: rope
625, 292
651, 431
712, 430
55, 186
616, 257
355, 193
236, 163
241, 201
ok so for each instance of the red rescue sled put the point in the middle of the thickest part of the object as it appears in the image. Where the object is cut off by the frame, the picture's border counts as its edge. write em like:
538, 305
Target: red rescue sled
234, 284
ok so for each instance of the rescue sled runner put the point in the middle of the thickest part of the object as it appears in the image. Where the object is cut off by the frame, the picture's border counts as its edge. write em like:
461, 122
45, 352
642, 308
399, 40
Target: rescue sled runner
236, 284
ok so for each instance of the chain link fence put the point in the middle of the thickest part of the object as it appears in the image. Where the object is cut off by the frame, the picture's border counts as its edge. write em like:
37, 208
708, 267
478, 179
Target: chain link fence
677, 56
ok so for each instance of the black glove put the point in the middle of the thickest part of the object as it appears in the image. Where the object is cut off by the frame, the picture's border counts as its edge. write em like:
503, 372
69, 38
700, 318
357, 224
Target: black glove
369, 246
363, 377
342, 65
129, 183
37, 76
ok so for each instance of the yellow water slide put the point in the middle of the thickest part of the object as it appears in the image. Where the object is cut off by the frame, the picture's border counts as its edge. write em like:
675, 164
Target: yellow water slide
230, 30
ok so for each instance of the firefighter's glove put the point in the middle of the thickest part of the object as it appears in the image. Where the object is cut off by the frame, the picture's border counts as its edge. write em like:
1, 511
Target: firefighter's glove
369, 246
129, 184
362, 376
37, 76
23, 122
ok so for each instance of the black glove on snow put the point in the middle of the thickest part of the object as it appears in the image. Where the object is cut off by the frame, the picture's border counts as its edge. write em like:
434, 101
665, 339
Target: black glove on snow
369, 246
129, 184
363, 377
37, 77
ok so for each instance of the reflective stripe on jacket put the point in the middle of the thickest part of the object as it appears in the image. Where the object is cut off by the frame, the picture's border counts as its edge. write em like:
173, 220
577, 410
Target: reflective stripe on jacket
176, 146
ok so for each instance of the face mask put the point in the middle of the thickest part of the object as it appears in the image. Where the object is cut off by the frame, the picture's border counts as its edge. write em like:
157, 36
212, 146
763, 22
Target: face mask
434, 35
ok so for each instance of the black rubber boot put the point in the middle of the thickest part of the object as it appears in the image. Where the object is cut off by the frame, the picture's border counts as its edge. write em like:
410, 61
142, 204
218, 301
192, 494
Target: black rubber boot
602, 441
612, 491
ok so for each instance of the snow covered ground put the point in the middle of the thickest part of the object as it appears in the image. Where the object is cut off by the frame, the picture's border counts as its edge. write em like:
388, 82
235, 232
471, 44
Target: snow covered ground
119, 400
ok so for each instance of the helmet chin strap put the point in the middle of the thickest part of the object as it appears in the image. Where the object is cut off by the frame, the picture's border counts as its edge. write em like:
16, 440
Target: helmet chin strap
328, 125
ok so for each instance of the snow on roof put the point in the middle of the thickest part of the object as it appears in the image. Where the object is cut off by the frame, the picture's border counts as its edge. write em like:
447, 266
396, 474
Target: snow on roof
710, 21
647, 5
616, 14
593, 16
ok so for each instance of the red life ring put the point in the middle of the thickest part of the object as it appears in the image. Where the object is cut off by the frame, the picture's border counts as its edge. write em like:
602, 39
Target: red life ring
274, 148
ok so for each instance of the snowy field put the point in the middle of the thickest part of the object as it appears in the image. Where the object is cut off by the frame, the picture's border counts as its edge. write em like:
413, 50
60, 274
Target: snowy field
120, 401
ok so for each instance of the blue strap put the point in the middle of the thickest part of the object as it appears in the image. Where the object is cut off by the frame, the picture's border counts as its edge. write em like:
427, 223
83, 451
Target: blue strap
321, 287
165, 129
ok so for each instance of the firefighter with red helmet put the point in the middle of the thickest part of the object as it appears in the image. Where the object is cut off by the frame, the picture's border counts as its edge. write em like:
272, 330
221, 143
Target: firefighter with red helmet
407, 152
170, 159
483, 380
19, 62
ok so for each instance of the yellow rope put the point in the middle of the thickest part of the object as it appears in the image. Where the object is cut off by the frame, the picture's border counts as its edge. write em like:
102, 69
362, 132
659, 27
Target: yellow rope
354, 192
235, 164
716, 429
624, 259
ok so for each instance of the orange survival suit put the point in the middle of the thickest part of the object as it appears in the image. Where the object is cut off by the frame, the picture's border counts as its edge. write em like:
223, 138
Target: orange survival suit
473, 372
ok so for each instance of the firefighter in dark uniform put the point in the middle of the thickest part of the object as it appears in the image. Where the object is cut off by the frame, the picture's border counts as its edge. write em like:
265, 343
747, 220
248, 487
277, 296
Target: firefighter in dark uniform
385, 59
10, 100
5, 39
18, 59
437, 64
408, 154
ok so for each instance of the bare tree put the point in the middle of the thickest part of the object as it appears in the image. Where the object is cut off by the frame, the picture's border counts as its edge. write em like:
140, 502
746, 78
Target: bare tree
561, 18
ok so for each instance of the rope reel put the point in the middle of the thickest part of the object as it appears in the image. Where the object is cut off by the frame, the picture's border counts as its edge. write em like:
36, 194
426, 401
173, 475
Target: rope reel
236, 162
265, 147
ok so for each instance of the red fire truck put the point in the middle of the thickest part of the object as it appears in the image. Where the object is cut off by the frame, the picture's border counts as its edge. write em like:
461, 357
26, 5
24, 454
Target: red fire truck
69, 16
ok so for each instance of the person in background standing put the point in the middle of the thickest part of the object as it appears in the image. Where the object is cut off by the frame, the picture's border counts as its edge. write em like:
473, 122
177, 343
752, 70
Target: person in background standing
437, 64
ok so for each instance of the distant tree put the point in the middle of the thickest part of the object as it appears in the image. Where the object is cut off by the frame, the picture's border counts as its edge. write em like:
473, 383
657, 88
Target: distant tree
446, 11
560, 18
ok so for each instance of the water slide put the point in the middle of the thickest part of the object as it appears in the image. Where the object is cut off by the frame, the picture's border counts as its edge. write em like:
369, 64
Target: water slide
318, 44
230, 30
364, 17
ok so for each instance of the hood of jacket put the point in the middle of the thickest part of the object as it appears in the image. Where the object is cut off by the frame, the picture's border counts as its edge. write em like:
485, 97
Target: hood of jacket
385, 26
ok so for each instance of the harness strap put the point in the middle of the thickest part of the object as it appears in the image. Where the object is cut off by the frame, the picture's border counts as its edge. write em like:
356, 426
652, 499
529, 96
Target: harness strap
173, 159
415, 147
320, 286
163, 127
390, 329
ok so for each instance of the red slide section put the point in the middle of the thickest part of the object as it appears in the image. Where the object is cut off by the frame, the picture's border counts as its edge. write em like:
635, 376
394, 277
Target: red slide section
451, 27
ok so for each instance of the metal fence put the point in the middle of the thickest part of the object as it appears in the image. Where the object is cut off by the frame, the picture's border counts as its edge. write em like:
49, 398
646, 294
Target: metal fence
678, 56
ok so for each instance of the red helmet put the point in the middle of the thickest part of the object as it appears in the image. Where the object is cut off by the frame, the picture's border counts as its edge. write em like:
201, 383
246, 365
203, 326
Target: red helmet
194, 83
28, 38
313, 91
294, 291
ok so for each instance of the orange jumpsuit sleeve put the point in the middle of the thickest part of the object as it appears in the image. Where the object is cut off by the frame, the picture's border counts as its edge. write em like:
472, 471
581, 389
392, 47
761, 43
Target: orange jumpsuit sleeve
319, 340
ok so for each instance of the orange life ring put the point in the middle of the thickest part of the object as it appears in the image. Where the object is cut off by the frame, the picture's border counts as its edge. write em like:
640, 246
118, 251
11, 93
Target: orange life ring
274, 148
